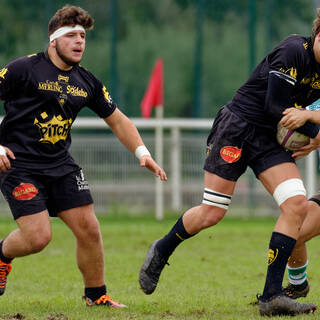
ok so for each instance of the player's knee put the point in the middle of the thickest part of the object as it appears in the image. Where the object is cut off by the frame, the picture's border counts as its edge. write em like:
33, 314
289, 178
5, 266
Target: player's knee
298, 208
90, 229
39, 241
211, 215
214, 206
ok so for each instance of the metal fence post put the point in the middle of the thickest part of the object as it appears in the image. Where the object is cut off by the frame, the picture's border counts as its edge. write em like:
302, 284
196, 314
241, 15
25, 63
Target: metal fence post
175, 159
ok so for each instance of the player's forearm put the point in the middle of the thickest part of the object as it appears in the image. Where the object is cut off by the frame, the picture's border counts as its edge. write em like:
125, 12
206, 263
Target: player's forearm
125, 130
129, 136
313, 116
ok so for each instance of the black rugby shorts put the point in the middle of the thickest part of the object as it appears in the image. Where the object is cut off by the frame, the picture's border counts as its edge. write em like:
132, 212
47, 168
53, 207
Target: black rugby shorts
234, 144
29, 191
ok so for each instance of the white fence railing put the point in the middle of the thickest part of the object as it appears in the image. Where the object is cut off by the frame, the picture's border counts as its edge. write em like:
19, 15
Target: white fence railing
117, 180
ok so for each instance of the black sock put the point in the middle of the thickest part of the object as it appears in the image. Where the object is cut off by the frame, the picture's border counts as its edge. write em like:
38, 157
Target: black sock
95, 293
2, 257
176, 235
280, 249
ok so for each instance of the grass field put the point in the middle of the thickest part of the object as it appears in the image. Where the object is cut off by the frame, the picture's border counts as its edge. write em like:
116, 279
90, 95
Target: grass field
215, 275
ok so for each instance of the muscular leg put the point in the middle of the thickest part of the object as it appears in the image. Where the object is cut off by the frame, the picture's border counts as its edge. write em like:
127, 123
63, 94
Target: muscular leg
193, 221
90, 255
33, 234
204, 216
310, 228
287, 228
298, 261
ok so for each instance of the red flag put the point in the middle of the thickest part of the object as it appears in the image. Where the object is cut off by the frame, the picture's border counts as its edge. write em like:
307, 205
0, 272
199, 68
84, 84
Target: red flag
153, 96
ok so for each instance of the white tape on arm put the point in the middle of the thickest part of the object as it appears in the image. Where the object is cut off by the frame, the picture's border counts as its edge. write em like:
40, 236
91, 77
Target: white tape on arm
2, 151
142, 151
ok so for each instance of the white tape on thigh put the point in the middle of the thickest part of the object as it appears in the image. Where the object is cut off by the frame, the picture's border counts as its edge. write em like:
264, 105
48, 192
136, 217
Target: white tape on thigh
288, 189
217, 199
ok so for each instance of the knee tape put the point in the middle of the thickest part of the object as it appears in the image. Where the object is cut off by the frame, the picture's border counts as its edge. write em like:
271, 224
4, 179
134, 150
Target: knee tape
288, 189
217, 199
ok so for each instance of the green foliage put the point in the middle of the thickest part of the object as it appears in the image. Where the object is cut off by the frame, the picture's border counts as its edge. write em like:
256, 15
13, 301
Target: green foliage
215, 275
145, 30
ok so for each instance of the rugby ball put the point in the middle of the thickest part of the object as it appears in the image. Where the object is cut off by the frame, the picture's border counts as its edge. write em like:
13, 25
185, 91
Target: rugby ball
291, 139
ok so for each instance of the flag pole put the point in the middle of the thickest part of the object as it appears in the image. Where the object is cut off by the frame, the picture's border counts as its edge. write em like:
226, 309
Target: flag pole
159, 159
153, 97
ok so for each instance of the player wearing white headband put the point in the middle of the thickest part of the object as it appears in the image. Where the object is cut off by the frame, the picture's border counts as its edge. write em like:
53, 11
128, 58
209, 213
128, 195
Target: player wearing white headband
38, 175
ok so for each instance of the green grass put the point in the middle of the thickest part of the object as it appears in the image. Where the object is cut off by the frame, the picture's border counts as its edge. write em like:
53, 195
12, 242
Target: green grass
214, 275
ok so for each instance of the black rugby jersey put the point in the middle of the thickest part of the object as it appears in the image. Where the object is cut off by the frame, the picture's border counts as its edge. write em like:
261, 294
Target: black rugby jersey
293, 56
41, 102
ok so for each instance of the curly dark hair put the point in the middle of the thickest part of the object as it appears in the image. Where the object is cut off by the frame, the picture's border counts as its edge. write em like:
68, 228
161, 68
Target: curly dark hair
70, 16
316, 25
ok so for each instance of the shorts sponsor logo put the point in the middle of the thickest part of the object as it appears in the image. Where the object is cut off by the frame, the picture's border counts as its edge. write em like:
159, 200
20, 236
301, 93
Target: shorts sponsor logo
272, 256
81, 182
230, 154
25, 191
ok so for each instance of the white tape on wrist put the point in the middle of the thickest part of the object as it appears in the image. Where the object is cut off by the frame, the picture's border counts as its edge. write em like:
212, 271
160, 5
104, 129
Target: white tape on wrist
2, 151
142, 151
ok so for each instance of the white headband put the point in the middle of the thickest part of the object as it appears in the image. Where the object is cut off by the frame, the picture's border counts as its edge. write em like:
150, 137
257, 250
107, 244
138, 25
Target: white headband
63, 30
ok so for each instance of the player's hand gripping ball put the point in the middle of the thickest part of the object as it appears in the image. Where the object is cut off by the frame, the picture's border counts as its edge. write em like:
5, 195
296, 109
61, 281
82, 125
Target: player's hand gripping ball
291, 139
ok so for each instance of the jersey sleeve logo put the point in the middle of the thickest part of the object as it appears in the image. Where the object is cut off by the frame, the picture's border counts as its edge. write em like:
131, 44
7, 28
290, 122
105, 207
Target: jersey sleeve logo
292, 72
106, 94
3, 72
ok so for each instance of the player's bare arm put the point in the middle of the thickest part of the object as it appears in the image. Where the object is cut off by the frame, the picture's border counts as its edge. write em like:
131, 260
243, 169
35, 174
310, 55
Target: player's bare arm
5, 154
129, 136
4, 160
304, 151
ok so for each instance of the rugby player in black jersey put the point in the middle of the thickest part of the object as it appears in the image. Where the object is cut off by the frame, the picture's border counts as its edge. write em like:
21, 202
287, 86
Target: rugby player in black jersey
43, 94
244, 134
293, 119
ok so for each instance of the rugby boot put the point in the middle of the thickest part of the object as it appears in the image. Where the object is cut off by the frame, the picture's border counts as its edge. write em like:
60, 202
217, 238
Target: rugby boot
296, 291
104, 300
151, 269
283, 305
5, 269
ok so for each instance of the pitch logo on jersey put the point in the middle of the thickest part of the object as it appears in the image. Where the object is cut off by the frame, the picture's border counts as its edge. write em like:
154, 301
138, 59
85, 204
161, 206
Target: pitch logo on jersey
230, 154
272, 256
53, 130
25, 191
3, 72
